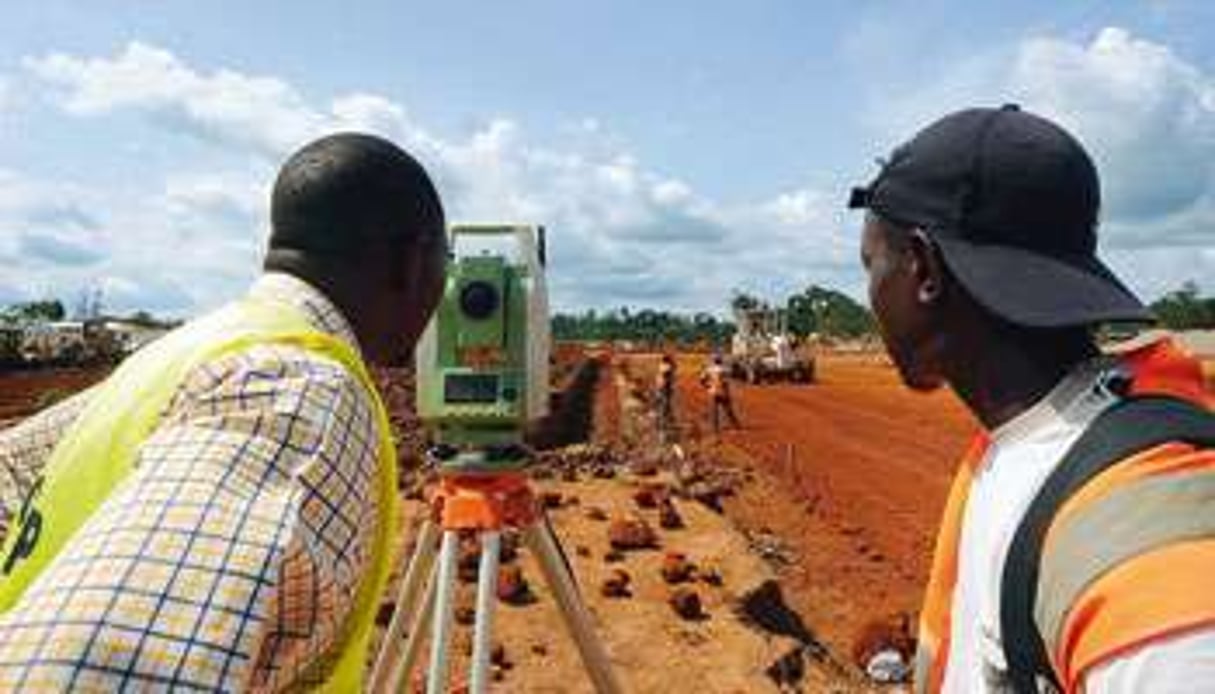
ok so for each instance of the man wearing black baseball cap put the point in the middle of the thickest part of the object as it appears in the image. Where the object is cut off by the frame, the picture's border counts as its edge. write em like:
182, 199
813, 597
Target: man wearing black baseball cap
1080, 530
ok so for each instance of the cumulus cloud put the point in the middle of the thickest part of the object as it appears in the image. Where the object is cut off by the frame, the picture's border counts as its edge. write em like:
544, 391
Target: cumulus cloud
249, 111
619, 231
1145, 114
1149, 115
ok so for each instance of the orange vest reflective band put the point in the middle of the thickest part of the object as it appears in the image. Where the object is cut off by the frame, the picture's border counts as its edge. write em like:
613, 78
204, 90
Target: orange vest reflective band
934, 632
1155, 565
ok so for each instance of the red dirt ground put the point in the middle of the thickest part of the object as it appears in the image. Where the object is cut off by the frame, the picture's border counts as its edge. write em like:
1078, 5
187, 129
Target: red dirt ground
853, 472
23, 392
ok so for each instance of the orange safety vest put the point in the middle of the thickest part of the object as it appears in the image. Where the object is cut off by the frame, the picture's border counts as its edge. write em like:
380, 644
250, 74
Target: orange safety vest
715, 379
663, 379
1150, 596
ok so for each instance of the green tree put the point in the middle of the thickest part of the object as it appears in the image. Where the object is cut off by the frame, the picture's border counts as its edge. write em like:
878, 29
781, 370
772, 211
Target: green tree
35, 311
827, 312
1184, 309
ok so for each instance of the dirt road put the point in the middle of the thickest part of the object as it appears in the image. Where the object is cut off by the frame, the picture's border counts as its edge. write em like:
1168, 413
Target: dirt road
856, 470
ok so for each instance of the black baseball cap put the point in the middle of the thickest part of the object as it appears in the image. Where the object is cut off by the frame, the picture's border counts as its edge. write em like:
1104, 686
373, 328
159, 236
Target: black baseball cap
1012, 201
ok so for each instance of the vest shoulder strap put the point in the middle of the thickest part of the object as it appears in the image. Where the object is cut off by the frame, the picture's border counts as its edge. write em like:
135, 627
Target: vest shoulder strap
1128, 427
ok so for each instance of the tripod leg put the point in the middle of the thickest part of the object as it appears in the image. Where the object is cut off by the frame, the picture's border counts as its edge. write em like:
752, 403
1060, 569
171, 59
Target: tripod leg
445, 589
487, 584
415, 639
412, 587
540, 540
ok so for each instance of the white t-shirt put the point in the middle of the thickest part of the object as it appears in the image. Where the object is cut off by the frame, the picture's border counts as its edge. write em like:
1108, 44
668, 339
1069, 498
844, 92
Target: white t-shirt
1022, 453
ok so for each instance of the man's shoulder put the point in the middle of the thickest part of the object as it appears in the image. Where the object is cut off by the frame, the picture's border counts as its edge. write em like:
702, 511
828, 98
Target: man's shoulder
268, 367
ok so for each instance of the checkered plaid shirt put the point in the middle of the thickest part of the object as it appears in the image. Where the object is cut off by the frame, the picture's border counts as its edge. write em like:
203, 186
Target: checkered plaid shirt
230, 558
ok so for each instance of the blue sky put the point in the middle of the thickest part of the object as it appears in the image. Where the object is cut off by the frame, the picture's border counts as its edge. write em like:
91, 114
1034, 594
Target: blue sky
677, 151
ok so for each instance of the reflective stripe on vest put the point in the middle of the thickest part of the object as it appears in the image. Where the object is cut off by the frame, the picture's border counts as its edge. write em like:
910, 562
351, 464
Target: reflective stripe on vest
934, 634
1116, 606
99, 450
1160, 503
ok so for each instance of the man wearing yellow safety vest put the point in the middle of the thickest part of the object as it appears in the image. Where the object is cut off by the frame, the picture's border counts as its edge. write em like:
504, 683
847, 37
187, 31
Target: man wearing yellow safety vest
219, 513
1078, 545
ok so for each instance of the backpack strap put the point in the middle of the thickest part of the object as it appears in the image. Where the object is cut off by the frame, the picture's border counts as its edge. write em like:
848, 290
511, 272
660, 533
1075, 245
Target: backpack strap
1130, 426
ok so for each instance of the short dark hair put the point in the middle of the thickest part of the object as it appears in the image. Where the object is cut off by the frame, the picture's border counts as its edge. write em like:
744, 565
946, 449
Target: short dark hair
339, 193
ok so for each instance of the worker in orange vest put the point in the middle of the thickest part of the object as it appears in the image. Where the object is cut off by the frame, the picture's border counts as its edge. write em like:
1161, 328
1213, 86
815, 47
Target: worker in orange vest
714, 380
1078, 544
664, 391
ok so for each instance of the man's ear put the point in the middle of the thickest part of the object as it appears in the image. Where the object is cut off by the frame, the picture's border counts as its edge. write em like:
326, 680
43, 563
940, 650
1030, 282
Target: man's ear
928, 270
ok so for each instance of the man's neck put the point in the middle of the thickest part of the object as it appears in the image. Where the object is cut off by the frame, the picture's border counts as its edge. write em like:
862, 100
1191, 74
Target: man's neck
1001, 378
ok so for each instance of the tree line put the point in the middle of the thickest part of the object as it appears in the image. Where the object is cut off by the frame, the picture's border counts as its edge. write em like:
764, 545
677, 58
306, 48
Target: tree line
814, 311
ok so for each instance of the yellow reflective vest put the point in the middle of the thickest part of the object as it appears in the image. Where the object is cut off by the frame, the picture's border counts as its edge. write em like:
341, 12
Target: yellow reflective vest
100, 448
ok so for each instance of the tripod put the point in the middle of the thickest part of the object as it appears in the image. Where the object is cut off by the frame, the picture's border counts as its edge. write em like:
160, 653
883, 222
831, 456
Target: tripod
484, 501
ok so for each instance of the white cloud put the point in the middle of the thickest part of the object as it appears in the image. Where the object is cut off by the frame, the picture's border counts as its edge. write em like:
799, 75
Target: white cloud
1146, 115
247, 111
619, 231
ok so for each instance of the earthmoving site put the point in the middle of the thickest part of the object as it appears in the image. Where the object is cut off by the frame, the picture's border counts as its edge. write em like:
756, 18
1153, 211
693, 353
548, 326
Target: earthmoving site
781, 557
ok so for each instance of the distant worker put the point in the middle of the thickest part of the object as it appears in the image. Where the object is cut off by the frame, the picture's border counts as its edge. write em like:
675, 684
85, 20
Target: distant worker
715, 380
220, 513
664, 390
1078, 545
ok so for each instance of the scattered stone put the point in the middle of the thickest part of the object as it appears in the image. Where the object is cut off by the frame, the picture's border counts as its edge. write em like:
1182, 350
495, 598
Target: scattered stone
631, 533
644, 468
550, 499
649, 496
788, 670
710, 574
508, 549
764, 608
596, 513
612, 556
572, 500
582, 551
603, 472
686, 603
497, 656
676, 568
569, 474
539, 649
512, 586
668, 517
465, 614
469, 562
709, 496
616, 585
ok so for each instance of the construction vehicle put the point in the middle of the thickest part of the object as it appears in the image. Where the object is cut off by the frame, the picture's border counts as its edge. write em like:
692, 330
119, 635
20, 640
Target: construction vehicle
764, 351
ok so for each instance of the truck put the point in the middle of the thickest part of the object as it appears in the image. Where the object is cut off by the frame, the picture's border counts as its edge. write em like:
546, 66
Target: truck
763, 350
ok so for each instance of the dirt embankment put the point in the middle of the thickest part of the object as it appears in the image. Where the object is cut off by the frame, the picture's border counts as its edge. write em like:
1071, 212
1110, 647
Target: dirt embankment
852, 471
24, 392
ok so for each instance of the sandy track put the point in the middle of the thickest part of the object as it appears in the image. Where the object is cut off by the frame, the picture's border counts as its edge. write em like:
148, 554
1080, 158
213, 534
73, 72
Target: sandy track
854, 472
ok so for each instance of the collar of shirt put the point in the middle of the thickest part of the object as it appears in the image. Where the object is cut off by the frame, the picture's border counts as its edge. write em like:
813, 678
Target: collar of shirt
317, 309
1068, 403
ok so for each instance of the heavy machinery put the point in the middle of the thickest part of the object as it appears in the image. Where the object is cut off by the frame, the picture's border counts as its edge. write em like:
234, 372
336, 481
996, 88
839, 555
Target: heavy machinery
763, 350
